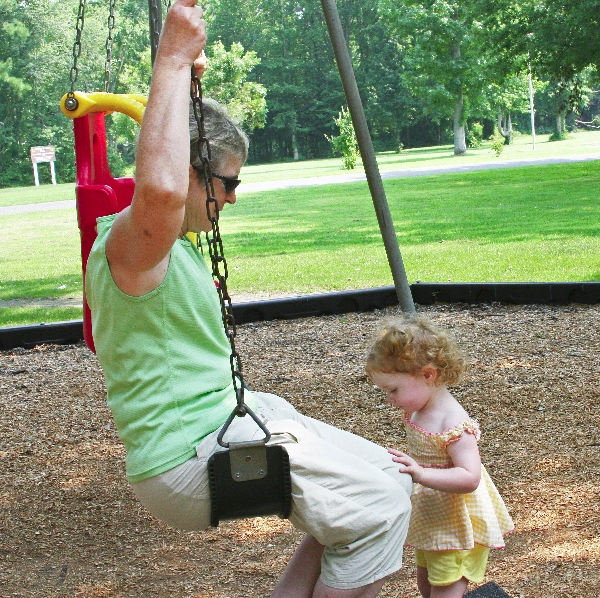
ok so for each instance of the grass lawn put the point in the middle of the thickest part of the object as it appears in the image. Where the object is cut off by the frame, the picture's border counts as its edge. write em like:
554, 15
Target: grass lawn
580, 143
526, 224
536, 223
16, 196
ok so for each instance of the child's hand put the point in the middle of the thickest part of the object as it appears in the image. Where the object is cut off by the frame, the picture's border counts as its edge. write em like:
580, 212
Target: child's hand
410, 465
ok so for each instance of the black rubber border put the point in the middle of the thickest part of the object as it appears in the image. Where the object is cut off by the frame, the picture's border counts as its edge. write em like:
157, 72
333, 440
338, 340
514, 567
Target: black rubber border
306, 306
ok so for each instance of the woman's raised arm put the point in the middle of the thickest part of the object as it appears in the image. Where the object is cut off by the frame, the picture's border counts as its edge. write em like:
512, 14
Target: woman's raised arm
142, 236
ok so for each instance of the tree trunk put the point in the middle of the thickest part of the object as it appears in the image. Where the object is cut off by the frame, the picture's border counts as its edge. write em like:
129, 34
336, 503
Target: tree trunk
559, 124
505, 126
460, 141
295, 147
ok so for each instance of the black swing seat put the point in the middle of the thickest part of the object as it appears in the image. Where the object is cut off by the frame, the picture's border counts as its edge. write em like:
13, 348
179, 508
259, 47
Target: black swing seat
249, 479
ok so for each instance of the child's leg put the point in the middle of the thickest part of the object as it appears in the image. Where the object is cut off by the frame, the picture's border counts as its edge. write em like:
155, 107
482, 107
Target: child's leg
455, 590
422, 582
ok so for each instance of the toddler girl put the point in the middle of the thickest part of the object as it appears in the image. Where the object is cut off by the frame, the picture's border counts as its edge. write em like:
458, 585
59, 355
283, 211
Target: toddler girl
457, 513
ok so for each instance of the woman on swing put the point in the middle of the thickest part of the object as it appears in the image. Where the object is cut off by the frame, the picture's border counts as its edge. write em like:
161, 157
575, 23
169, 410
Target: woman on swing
160, 339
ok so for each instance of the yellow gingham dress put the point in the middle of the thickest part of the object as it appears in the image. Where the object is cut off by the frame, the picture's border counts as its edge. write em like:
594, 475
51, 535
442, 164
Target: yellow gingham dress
446, 521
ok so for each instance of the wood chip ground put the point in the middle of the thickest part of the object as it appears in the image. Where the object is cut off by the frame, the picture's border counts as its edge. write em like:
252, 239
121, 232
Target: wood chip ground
70, 525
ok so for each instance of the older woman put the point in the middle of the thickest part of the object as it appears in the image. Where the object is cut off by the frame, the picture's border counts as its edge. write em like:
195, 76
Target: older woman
159, 337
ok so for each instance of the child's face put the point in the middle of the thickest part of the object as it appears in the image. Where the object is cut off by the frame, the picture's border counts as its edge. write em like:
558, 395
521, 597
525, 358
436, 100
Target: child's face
409, 392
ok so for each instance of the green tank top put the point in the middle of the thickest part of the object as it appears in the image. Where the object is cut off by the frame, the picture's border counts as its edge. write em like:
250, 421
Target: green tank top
165, 357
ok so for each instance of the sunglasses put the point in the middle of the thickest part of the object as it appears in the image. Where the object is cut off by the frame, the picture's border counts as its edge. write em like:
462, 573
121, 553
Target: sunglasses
229, 183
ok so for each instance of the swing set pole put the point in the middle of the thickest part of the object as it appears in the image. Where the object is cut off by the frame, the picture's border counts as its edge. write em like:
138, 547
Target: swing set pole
367, 152
363, 137
155, 23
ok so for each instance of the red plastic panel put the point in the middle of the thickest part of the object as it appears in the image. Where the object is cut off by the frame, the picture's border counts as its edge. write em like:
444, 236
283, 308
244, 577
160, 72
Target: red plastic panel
97, 192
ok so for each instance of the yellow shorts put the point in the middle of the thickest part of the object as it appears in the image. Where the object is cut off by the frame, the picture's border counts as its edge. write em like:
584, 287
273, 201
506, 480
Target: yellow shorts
446, 567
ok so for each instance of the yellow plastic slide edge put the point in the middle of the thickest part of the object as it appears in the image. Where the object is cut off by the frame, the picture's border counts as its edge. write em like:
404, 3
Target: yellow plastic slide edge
131, 104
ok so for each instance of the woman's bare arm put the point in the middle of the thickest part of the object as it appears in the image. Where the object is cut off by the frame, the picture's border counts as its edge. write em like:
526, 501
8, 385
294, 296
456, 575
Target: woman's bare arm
142, 236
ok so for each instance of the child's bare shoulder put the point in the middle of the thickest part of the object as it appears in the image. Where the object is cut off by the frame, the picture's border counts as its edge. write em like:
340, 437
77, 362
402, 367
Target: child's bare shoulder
455, 414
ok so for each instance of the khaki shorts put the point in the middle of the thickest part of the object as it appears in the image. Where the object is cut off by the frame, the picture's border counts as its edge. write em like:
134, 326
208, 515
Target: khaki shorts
347, 492
446, 567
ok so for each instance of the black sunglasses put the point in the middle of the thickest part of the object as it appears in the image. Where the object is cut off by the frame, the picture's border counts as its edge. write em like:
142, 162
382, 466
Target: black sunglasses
229, 183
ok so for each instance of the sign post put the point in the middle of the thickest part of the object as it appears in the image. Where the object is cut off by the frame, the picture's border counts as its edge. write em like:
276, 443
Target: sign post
42, 153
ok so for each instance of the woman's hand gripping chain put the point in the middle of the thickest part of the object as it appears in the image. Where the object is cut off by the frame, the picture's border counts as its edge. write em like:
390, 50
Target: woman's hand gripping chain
183, 36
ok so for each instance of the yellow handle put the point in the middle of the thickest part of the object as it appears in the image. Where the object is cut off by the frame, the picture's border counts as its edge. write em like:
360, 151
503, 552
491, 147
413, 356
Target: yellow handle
131, 104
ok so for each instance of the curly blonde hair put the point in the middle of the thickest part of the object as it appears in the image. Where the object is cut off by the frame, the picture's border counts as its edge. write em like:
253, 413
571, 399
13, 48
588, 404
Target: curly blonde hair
407, 345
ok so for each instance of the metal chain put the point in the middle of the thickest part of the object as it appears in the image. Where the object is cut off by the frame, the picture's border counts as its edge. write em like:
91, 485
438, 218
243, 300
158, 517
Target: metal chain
215, 246
71, 102
109, 45
155, 15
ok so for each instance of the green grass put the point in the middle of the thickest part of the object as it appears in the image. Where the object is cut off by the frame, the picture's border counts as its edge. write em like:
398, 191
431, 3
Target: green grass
16, 196
581, 143
24, 316
525, 224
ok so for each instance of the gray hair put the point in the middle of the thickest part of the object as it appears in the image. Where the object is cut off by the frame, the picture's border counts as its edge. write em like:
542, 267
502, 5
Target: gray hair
225, 138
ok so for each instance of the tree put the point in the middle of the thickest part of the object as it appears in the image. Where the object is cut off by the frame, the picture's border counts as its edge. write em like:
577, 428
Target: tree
509, 96
226, 80
345, 143
298, 69
559, 39
40, 35
443, 66
36, 65
36, 55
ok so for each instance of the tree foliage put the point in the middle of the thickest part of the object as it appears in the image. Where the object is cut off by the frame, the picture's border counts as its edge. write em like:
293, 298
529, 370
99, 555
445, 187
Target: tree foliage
226, 80
345, 143
561, 38
425, 69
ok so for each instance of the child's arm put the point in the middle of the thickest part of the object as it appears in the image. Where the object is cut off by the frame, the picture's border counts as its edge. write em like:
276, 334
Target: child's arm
462, 478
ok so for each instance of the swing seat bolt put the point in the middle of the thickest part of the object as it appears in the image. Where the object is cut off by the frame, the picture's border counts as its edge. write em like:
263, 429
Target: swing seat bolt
249, 458
71, 104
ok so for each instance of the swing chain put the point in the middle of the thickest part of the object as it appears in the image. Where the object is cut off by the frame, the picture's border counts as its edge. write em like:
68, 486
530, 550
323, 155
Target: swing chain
215, 246
109, 45
155, 14
71, 102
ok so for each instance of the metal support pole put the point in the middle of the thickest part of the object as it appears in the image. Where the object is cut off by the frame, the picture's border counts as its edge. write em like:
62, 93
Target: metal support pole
367, 153
531, 108
155, 17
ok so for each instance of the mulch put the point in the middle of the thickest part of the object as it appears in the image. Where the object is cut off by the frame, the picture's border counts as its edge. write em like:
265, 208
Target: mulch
70, 525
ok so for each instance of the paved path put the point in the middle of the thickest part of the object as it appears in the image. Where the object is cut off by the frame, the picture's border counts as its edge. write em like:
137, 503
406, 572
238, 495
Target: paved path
346, 178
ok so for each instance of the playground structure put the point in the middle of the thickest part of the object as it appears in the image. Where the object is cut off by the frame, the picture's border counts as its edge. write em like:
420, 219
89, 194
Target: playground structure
95, 165
99, 193
260, 473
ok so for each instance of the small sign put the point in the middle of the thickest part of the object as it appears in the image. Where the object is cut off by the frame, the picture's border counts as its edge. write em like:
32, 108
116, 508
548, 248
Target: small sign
43, 153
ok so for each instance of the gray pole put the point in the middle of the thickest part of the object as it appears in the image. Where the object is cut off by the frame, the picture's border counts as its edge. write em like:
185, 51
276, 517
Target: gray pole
367, 153
531, 108
155, 19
